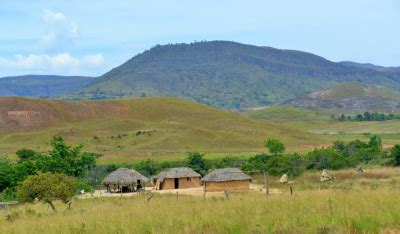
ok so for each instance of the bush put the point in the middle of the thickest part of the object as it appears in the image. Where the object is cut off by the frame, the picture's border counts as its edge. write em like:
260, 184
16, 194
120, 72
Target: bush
326, 158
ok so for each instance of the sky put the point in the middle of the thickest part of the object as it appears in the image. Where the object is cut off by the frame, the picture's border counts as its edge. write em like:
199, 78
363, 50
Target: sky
93, 36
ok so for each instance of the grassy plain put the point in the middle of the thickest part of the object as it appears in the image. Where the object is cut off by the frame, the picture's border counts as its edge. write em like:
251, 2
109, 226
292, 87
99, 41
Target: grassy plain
352, 203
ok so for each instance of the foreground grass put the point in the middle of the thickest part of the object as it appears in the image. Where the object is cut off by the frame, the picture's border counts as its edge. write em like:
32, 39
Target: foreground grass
304, 212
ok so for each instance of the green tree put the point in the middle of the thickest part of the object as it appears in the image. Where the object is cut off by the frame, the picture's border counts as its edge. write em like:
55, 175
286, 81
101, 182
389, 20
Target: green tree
375, 142
65, 159
395, 152
7, 175
47, 187
196, 161
275, 146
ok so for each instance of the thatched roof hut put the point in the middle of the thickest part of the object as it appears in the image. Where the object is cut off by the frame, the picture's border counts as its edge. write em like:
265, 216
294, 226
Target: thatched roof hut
125, 179
226, 179
177, 178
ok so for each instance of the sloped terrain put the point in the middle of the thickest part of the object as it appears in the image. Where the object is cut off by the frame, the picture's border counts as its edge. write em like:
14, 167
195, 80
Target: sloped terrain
226, 75
350, 97
41, 85
137, 127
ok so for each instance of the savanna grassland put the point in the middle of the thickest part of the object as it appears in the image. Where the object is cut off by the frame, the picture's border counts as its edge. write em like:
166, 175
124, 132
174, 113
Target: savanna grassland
134, 129
351, 203
321, 123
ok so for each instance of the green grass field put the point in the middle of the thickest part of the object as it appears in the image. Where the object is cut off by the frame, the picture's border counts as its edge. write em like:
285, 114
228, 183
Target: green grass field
322, 124
365, 203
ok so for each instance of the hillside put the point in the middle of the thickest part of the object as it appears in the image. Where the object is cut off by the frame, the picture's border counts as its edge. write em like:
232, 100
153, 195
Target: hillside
226, 75
41, 85
350, 97
137, 128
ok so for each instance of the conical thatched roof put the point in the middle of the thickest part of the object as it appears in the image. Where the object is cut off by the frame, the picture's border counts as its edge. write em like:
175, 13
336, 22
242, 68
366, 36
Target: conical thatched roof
124, 176
177, 172
225, 174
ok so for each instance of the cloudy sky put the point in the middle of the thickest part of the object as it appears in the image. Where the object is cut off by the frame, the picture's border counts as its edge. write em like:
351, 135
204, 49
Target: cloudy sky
90, 37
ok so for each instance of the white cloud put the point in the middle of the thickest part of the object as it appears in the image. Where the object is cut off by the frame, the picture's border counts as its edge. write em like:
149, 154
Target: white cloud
60, 32
62, 63
93, 60
51, 16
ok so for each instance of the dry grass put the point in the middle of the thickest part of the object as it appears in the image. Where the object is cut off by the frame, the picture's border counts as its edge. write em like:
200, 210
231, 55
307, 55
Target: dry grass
365, 203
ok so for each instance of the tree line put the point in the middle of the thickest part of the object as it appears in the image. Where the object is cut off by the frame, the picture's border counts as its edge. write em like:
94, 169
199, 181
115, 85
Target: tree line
366, 116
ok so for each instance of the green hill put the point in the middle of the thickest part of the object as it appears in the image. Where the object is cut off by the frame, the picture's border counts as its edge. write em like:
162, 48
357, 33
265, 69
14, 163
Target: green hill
126, 129
41, 85
350, 97
226, 75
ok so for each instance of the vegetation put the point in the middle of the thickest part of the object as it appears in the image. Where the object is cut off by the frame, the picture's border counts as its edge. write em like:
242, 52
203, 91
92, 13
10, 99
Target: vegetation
47, 187
62, 159
214, 73
275, 146
41, 85
343, 210
136, 129
350, 98
366, 117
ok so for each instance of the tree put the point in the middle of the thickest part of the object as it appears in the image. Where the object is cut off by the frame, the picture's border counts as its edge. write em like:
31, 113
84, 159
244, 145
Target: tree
275, 146
196, 161
6, 174
375, 143
395, 152
66, 159
47, 187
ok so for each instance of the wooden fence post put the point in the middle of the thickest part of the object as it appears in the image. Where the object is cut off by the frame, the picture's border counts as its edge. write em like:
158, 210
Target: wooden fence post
291, 190
266, 182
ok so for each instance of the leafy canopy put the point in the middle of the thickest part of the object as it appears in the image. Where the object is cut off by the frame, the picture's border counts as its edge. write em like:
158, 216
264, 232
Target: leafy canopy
196, 161
47, 187
275, 146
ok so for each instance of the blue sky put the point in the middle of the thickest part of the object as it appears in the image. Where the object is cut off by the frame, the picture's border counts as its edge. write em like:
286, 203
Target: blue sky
90, 37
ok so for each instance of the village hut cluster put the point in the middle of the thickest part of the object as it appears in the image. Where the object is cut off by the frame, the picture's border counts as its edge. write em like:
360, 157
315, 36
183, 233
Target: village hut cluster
125, 180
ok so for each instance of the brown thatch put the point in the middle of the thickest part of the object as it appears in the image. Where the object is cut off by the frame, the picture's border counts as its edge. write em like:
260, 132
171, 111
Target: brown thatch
226, 174
177, 172
124, 177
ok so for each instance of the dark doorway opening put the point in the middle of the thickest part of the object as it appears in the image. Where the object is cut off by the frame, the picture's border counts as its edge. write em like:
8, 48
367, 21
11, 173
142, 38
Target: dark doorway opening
138, 185
176, 183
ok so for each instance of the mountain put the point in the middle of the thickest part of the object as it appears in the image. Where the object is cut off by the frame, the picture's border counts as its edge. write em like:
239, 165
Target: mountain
350, 97
393, 72
226, 75
126, 128
41, 85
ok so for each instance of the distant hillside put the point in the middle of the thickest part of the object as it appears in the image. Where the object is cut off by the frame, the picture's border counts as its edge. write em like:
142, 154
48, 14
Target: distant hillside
136, 127
392, 72
226, 75
41, 85
350, 97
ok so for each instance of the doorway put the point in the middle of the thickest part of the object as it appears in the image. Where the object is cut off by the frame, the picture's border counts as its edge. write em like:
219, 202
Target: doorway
176, 183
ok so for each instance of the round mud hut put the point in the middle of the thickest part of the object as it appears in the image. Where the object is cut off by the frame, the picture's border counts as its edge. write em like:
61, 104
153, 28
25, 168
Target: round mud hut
124, 180
227, 179
177, 178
